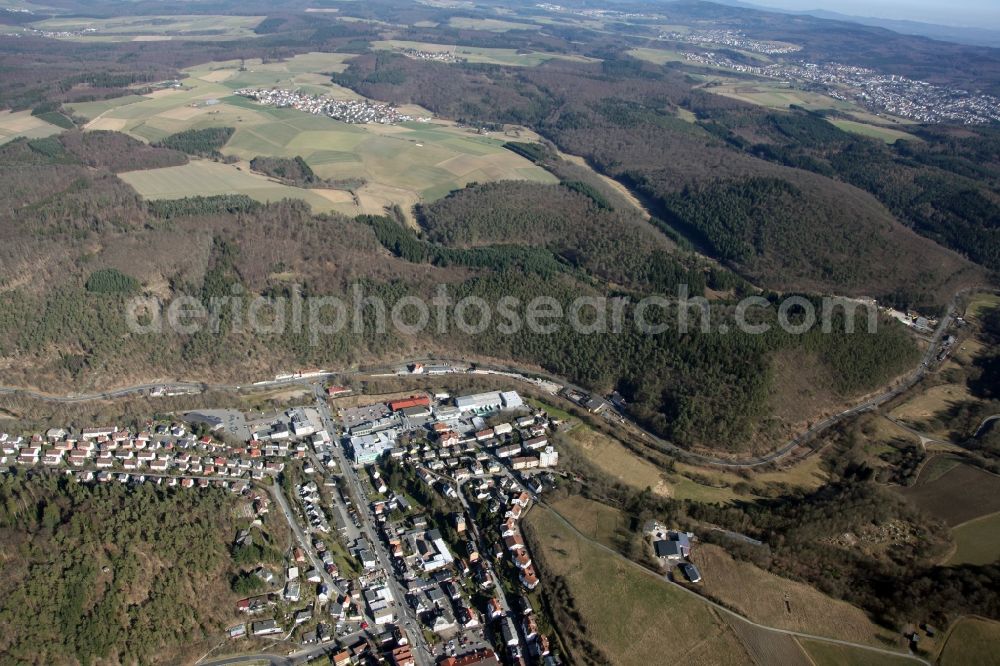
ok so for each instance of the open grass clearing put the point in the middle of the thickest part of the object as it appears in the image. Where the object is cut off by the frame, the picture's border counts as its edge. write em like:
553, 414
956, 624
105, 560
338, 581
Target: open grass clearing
803, 473
773, 94
598, 521
977, 541
980, 302
657, 56
553, 411
615, 459
625, 613
973, 641
779, 602
886, 134
923, 406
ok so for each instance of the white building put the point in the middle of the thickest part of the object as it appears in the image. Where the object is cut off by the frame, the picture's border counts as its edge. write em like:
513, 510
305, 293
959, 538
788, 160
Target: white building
366, 449
484, 403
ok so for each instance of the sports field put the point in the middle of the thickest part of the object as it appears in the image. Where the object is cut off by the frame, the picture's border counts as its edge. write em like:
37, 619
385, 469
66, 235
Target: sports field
151, 28
479, 54
401, 164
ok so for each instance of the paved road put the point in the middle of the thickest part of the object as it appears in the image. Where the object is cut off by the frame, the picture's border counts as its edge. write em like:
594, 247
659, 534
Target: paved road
408, 621
723, 609
985, 422
300, 657
303, 539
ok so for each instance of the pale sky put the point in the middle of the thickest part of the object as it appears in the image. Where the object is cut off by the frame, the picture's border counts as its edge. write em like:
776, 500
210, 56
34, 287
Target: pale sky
971, 13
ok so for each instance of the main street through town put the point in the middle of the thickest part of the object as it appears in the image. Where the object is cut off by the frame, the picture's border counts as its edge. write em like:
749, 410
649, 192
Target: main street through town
408, 622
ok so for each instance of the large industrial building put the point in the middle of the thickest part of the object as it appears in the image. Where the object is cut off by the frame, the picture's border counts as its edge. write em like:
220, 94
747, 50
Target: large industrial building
484, 403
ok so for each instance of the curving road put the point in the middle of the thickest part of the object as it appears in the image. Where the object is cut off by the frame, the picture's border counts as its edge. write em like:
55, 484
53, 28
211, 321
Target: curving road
531, 376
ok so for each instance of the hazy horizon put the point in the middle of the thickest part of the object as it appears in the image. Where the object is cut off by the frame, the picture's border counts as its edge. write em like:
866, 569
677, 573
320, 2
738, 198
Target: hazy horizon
961, 13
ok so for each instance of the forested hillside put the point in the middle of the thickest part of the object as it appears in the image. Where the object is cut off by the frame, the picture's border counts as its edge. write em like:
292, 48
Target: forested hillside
943, 182
622, 115
110, 574
86, 258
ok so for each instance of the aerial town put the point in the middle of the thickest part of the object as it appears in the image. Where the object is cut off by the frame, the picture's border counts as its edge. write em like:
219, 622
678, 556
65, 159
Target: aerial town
392, 558
882, 93
354, 111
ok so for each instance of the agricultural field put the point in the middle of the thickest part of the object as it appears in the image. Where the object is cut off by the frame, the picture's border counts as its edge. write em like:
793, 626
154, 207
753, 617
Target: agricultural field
477, 54
938, 466
151, 28
779, 602
615, 602
768, 647
956, 496
489, 24
828, 654
886, 134
22, 123
400, 164
977, 541
207, 178
972, 642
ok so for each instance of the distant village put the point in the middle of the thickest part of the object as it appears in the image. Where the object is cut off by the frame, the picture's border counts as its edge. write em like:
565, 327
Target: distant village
434, 56
881, 93
597, 13
730, 38
355, 111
